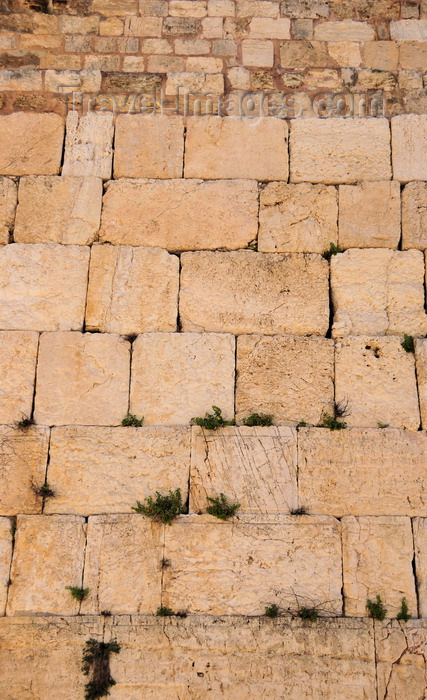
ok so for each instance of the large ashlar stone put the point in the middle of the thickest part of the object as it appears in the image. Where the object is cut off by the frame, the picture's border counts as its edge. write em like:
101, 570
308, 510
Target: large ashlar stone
288, 376
58, 210
339, 150
377, 560
176, 214
414, 215
123, 566
147, 146
89, 145
31, 143
409, 147
401, 651
359, 471
48, 555
82, 378
346, 30
256, 467
8, 199
379, 292
420, 546
421, 364
18, 357
23, 458
377, 378
249, 292
369, 215
232, 147
297, 218
178, 376
43, 286
5, 559
132, 290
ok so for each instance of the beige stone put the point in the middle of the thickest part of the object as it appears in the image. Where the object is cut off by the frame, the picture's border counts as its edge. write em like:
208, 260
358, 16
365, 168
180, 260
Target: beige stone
188, 8
132, 290
148, 146
377, 377
58, 210
414, 216
297, 218
339, 150
345, 53
198, 83
421, 364
413, 55
48, 555
18, 356
303, 54
380, 55
248, 292
175, 214
347, 30
8, 199
409, 30
258, 53
31, 143
231, 147
89, 145
5, 560
378, 292
420, 547
23, 456
267, 28
43, 286
409, 147
401, 658
288, 376
82, 378
369, 215
377, 560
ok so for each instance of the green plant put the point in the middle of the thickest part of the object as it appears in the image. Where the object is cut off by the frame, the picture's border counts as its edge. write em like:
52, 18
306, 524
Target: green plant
131, 420
403, 613
164, 612
164, 509
272, 610
408, 343
258, 419
302, 424
376, 609
331, 422
44, 491
96, 658
333, 250
299, 511
78, 593
253, 245
24, 423
221, 507
383, 425
311, 614
213, 421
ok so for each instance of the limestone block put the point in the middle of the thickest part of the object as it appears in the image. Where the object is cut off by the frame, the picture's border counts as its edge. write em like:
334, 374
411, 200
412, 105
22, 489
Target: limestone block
123, 568
5, 559
401, 658
132, 290
58, 210
409, 147
148, 147
18, 356
362, 471
369, 215
23, 457
43, 286
48, 555
89, 145
288, 376
176, 214
414, 216
8, 198
256, 467
377, 560
347, 30
176, 377
232, 147
82, 378
409, 30
339, 150
256, 52
421, 364
377, 377
251, 563
249, 292
297, 218
379, 292
31, 143
345, 53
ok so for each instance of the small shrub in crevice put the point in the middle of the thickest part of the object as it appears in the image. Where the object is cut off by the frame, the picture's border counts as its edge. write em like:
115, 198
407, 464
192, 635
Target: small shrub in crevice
213, 421
408, 343
221, 507
302, 424
333, 250
261, 419
161, 508
403, 613
272, 610
44, 491
305, 613
331, 422
133, 421
24, 423
77, 593
96, 661
341, 409
164, 612
302, 510
376, 608
383, 425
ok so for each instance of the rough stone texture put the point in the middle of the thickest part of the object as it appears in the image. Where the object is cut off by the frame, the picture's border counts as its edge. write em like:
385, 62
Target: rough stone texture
58, 210
30, 143
82, 379
176, 377
177, 214
5, 560
409, 30
421, 364
377, 377
251, 563
249, 292
287, 376
346, 30
8, 198
409, 147
147, 146
339, 150
414, 215
231, 147
377, 560
378, 292
401, 659
369, 215
132, 290
23, 457
256, 467
297, 218
360, 471
48, 555
18, 355
89, 145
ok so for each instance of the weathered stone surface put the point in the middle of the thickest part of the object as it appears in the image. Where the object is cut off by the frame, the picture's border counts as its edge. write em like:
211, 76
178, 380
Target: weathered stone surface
8, 199
176, 214
414, 215
378, 292
257, 53
377, 560
5, 560
369, 215
148, 147
377, 377
132, 290
48, 555
409, 147
409, 30
420, 547
43, 286
230, 147
58, 210
288, 376
303, 54
401, 658
249, 292
82, 378
176, 377
297, 218
347, 30
421, 364
30, 143
339, 150
23, 458
18, 356
89, 145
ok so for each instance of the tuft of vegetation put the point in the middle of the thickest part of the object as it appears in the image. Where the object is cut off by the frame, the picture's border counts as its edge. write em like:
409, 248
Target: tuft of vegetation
272, 610
376, 609
78, 593
164, 612
96, 659
408, 343
44, 491
165, 563
302, 424
341, 409
332, 422
106, 613
221, 507
213, 421
382, 425
133, 421
264, 419
24, 423
311, 614
403, 613
162, 508
333, 250
253, 245
302, 510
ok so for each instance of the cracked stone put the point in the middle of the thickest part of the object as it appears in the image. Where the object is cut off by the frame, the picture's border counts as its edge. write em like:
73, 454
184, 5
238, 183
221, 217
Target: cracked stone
23, 456
31, 143
89, 145
414, 216
8, 199
5, 559
18, 357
